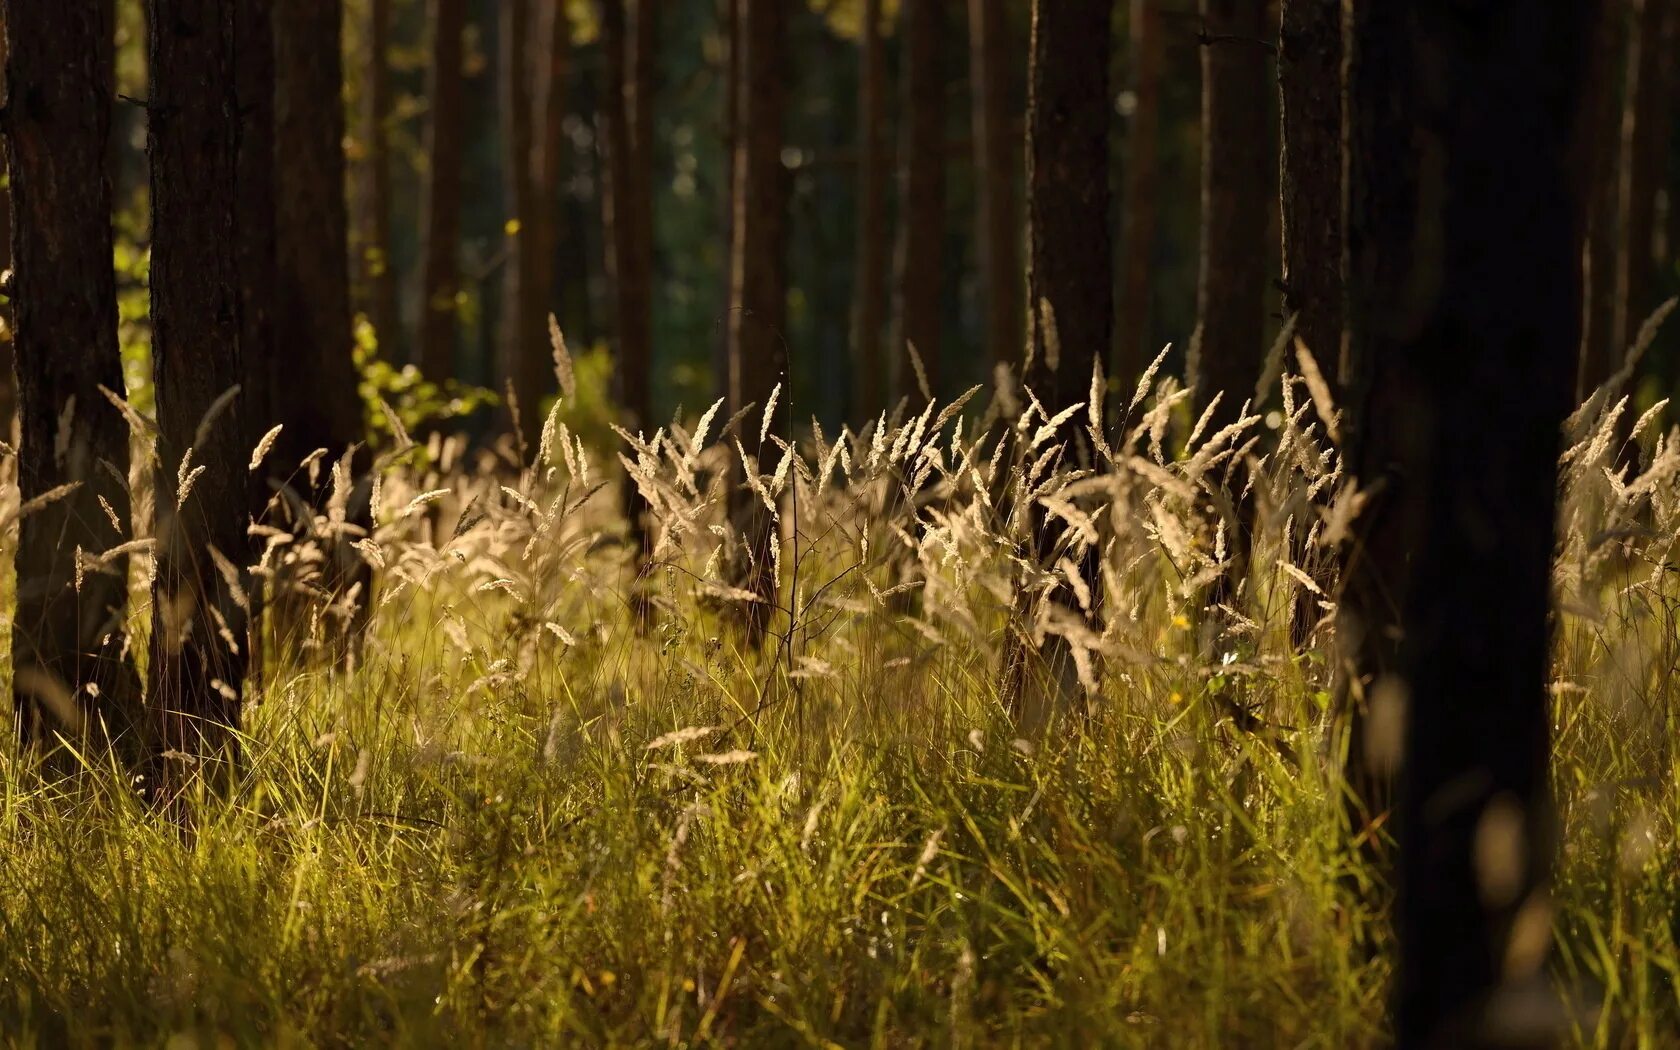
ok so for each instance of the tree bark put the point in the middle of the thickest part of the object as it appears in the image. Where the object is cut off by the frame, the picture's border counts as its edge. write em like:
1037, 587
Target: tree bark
1310, 86
1644, 155
1600, 355
525, 371
869, 282
440, 239
758, 308
921, 247
8, 374
69, 646
1070, 284
197, 660
1464, 277
378, 279
997, 170
319, 404
1226, 349
554, 67
1137, 247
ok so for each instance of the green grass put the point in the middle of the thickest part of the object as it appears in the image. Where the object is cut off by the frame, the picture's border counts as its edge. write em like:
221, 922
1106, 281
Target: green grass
473, 839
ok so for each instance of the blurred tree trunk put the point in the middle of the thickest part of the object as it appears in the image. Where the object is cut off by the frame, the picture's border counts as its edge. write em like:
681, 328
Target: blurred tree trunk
8, 375
553, 68
921, 223
996, 171
1310, 85
1644, 155
1464, 279
1070, 290
196, 667
869, 282
729, 28
758, 297
628, 50
440, 280
377, 279
1142, 172
1226, 349
1600, 355
526, 372
69, 646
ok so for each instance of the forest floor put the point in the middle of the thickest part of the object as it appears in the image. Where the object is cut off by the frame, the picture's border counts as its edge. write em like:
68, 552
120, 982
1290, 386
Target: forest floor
521, 820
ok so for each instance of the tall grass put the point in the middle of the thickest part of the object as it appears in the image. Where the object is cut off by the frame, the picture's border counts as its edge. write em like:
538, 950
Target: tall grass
527, 816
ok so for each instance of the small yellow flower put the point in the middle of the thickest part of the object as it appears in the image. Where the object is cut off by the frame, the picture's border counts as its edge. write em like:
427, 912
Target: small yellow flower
1176, 697
1181, 621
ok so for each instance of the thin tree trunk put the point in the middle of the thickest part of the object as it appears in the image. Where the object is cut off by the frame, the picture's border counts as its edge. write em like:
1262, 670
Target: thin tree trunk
1137, 251
197, 662
997, 169
1310, 85
69, 646
1070, 284
8, 375
758, 308
1464, 278
378, 279
1226, 349
526, 372
921, 202
869, 282
1599, 354
1644, 148
554, 37
445, 154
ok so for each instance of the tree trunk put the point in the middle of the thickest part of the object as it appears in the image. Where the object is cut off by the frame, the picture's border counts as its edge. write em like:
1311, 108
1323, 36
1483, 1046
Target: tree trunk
1464, 280
378, 279
1644, 154
197, 661
758, 308
554, 37
1599, 353
319, 405
526, 373
69, 646
997, 167
628, 49
1070, 285
1310, 85
1137, 250
869, 282
1226, 349
445, 153
921, 202
8, 373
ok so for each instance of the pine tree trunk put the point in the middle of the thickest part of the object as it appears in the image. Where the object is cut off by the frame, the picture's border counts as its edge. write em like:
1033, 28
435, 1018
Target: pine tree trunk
1070, 286
196, 668
996, 172
445, 154
1310, 84
1464, 279
869, 282
69, 646
8, 374
1137, 250
554, 38
920, 261
378, 279
1599, 354
1226, 349
758, 313
1644, 154
525, 371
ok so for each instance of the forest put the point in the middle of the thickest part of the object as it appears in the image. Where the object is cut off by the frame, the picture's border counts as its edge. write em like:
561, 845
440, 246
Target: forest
840, 523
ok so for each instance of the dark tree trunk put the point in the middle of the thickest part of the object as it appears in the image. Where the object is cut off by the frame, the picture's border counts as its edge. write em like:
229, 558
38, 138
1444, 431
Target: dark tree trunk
1310, 84
1464, 320
8, 375
1236, 171
65, 639
627, 213
1142, 172
1644, 153
524, 354
319, 405
921, 246
197, 659
1070, 284
553, 68
441, 236
1599, 354
758, 308
997, 170
378, 279
869, 282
